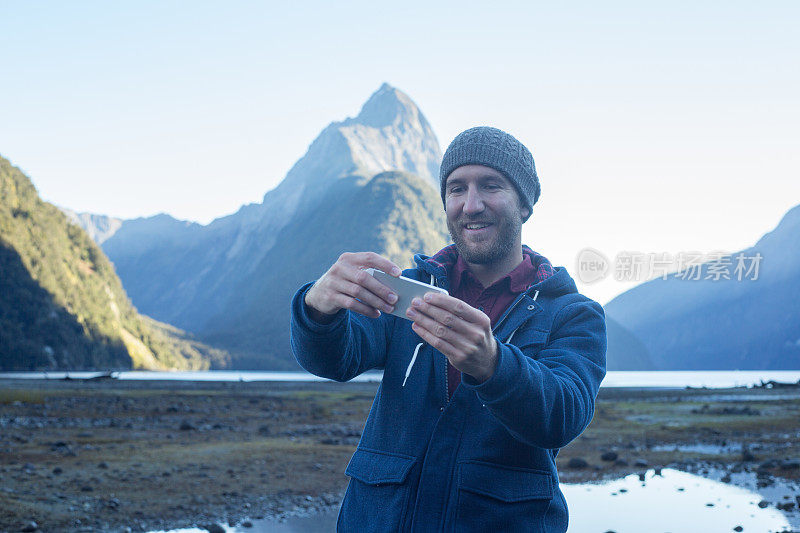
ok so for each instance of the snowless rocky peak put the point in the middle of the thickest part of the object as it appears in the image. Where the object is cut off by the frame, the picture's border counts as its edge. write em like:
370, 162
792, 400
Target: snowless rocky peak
388, 106
390, 133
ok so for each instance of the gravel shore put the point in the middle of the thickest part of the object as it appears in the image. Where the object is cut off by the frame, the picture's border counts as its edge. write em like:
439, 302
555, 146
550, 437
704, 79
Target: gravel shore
112, 455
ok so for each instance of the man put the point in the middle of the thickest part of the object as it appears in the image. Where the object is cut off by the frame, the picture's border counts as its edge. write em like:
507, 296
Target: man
507, 367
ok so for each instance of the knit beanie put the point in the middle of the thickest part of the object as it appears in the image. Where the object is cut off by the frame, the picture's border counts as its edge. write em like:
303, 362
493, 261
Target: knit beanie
497, 149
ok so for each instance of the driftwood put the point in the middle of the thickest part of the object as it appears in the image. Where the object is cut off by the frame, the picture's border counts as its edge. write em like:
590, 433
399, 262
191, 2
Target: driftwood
772, 384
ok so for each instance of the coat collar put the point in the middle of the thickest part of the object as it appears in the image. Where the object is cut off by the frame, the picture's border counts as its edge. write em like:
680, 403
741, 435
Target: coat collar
442, 263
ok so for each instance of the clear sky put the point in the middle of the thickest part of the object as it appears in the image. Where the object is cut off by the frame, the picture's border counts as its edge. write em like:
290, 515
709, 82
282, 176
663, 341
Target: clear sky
655, 128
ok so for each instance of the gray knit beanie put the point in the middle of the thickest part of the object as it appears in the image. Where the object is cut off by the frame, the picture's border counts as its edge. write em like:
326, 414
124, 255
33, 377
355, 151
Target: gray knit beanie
497, 149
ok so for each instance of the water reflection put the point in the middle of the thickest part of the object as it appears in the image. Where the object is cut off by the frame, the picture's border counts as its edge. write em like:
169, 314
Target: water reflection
672, 502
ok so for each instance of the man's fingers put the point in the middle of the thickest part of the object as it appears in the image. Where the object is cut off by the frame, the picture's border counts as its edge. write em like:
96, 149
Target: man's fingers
436, 342
364, 279
439, 315
455, 306
365, 295
371, 259
347, 281
461, 341
348, 302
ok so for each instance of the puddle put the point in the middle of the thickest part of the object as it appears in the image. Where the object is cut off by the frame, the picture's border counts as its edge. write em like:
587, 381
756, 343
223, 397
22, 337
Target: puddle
728, 448
706, 449
673, 502
743, 398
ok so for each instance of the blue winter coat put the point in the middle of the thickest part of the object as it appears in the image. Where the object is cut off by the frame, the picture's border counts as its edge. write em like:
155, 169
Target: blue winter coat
484, 460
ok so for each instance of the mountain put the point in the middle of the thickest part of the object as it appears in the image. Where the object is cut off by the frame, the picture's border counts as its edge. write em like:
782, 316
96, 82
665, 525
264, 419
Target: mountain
625, 351
99, 227
747, 322
394, 214
62, 305
199, 277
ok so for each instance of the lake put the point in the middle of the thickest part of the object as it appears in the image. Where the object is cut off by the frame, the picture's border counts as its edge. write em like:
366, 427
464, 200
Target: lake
671, 379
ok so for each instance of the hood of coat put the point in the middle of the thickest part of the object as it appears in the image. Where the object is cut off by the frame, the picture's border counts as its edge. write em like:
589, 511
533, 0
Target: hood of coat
553, 281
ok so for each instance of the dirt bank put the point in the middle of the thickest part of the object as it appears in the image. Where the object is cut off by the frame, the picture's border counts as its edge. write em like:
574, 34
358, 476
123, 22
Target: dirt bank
112, 455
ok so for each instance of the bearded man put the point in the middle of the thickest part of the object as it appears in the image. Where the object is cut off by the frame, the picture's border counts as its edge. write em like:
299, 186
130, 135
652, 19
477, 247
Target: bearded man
507, 369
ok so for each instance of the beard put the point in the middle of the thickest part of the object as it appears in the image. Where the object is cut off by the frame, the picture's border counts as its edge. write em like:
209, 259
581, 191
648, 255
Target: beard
488, 251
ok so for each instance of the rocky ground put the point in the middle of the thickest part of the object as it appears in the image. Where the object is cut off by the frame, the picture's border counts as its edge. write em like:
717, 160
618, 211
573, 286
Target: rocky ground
108, 455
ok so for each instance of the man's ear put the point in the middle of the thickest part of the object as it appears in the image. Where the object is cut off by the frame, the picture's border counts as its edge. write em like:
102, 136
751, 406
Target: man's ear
525, 212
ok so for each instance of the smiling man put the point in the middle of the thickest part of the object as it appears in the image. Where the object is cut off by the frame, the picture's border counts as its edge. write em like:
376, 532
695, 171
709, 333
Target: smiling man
507, 366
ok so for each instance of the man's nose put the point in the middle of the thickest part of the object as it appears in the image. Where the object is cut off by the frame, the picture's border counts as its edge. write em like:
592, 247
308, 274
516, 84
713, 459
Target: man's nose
474, 201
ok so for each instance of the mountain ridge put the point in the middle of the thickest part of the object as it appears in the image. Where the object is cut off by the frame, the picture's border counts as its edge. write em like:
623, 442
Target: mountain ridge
61, 303
723, 324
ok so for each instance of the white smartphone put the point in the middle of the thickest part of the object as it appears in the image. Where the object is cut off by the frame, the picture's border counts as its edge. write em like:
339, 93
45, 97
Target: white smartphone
405, 288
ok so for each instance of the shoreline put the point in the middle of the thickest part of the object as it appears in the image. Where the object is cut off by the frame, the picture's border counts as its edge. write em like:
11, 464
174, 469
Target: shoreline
90, 455
672, 379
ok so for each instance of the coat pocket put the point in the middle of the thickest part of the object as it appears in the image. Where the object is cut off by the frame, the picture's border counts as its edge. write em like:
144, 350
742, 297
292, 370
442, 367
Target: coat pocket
377, 495
499, 498
530, 338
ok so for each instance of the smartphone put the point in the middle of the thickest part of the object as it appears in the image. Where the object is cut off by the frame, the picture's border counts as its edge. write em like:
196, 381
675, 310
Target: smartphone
405, 288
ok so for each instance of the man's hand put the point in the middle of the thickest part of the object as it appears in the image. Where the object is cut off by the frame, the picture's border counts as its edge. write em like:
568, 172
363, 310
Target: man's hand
346, 285
461, 332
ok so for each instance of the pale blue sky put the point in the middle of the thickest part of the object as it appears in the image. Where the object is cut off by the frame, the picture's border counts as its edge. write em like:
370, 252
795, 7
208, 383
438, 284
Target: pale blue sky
655, 128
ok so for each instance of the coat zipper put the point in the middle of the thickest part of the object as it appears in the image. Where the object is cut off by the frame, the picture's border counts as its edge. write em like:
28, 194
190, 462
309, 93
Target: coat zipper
446, 381
508, 312
494, 330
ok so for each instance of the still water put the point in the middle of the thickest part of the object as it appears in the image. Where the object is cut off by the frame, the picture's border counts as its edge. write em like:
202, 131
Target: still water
672, 502
672, 379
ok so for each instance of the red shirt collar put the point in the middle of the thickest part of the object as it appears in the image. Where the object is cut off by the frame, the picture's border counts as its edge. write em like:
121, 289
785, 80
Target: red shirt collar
519, 279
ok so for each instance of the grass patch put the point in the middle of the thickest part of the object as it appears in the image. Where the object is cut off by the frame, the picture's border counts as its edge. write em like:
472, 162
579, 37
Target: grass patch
8, 396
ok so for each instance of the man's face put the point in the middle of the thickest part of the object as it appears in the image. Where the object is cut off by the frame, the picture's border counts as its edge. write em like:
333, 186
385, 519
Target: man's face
484, 214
